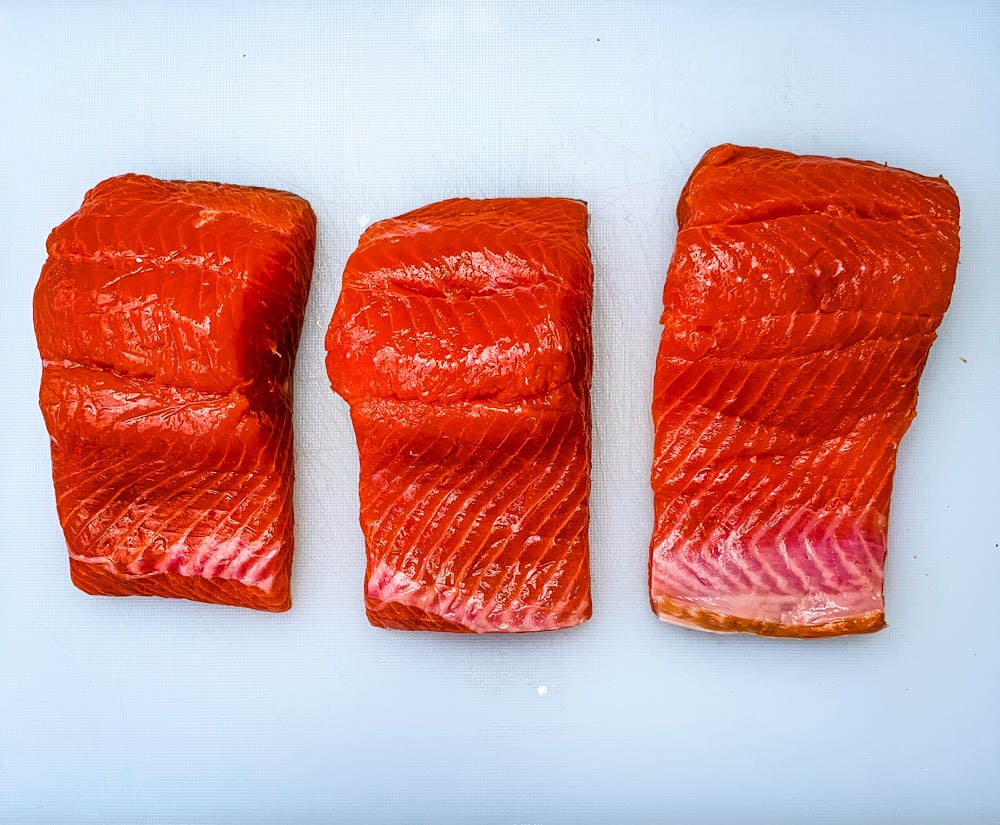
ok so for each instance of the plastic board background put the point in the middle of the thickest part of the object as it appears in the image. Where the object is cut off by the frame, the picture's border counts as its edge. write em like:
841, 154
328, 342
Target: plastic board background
156, 711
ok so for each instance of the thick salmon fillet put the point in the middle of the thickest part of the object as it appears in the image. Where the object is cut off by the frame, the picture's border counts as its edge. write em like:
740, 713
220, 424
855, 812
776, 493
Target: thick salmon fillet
800, 304
461, 340
168, 316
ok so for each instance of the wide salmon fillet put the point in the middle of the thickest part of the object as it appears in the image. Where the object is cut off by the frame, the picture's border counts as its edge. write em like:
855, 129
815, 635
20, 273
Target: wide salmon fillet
801, 302
461, 340
168, 315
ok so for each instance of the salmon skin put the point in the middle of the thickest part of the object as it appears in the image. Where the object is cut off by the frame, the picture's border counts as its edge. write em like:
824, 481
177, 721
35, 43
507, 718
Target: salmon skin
801, 302
168, 315
461, 340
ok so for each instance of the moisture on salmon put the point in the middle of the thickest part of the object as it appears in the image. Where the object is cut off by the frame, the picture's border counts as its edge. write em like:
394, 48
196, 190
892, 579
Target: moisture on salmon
168, 315
462, 342
800, 305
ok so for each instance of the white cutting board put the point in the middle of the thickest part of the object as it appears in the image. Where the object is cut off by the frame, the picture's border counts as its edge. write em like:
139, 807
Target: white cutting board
154, 711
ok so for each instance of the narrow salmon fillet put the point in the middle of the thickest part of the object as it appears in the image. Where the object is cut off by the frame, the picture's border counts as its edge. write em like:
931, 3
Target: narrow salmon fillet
799, 308
461, 340
168, 315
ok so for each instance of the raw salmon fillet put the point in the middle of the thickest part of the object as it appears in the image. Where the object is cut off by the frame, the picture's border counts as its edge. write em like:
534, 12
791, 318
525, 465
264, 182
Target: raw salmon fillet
800, 305
168, 315
462, 342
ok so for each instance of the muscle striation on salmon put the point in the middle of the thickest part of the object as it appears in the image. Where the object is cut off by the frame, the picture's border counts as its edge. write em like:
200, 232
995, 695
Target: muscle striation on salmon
799, 308
168, 316
461, 340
